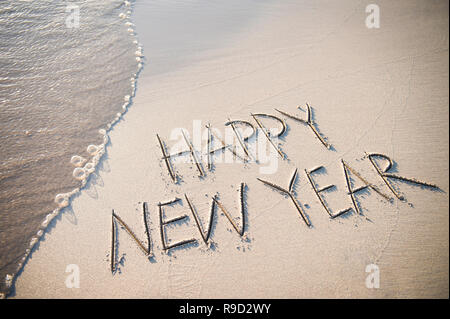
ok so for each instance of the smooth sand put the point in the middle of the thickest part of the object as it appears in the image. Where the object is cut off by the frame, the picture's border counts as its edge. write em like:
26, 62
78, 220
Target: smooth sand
376, 90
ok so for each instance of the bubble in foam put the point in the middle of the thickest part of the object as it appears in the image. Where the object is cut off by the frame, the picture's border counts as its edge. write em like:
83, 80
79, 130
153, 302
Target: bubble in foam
102, 131
46, 221
77, 160
79, 173
62, 199
92, 149
89, 167
138, 59
130, 30
122, 15
8, 280
33, 241
127, 3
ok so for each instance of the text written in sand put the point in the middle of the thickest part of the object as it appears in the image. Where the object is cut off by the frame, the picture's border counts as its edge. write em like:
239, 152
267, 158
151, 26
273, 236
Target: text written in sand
240, 148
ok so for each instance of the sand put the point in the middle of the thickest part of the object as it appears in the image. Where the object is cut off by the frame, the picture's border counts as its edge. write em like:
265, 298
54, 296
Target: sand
372, 90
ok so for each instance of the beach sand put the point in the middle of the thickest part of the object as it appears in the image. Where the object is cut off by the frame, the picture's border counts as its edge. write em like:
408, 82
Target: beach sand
375, 90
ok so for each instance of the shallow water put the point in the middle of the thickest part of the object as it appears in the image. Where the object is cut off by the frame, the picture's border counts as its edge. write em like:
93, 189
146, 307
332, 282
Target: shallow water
59, 85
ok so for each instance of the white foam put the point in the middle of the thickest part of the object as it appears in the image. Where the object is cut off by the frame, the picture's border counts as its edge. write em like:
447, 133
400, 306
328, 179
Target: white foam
92, 149
8, 280
89, 167
62, 199
46, 221
79, 173
77, 160
33, 241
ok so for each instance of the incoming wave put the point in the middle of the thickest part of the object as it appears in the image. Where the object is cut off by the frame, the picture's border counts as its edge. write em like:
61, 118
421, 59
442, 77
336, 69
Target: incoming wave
68, 74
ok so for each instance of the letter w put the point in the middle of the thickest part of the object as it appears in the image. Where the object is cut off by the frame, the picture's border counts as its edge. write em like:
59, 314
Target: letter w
206, 236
